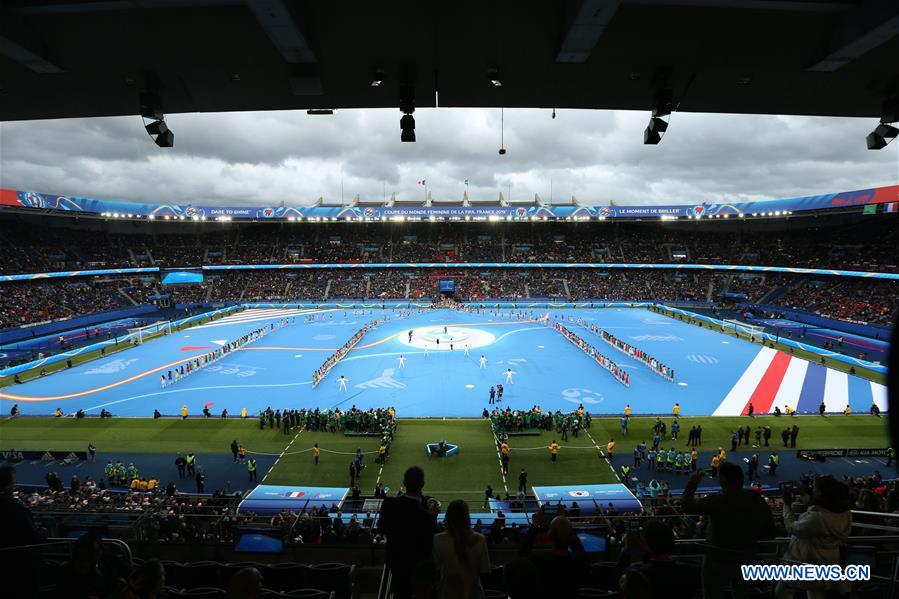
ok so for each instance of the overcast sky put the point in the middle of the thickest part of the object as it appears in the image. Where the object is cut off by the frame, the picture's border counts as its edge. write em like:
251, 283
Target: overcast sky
596, 156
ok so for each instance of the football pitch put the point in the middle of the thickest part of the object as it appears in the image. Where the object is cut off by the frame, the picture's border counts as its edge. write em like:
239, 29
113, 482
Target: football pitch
465, 475
427, 363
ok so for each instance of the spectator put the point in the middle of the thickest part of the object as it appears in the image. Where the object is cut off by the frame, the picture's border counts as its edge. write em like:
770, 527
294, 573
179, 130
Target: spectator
520, 579
461, 555
147, 581
245, 584
83, 577
409, 529
563, 569
667, 578
817, 533
738, 519
18, 569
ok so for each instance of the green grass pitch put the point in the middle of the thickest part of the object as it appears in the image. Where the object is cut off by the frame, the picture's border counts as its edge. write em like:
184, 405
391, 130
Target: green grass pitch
465, 475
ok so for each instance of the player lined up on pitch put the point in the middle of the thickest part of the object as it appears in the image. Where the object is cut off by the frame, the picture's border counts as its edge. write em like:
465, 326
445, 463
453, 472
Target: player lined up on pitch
181, 372
339, 355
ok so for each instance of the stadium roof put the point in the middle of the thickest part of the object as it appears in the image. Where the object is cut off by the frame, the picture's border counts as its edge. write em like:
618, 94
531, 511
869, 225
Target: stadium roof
90, 58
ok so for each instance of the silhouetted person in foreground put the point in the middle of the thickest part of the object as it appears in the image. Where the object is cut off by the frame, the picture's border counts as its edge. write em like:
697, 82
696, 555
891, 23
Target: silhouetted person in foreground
18, 568
738, 519
409, 528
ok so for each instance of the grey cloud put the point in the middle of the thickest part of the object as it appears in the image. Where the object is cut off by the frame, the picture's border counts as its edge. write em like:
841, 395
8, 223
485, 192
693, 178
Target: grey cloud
265, 158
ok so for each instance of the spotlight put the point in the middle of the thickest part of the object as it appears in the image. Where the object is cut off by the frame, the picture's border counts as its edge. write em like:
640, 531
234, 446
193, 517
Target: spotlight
151, 106
881, 136
407, 107
378, 78
407, 127
664, 104
407, 99
654, 131
494, 78
161, 134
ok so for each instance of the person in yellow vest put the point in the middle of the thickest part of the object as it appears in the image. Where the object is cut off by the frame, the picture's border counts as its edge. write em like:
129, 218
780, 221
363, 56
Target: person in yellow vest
715, 462
676, 410
152, 484
788, 410
316, 453
627, 410
241, 454
504, 457
243, 413
382, 453
251, 469
553, 450
392, 412
610, 449
135, 485
847, 411
183, 412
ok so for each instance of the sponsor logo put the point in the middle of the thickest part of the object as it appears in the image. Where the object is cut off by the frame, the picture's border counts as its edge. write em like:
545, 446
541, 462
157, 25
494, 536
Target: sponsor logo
296, 494
579, 493
385, 381
606, 211
698, 210
369, 212
579, 395
112, 367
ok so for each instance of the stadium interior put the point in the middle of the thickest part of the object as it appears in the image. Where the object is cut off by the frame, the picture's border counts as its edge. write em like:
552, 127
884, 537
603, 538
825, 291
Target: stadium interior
379, 399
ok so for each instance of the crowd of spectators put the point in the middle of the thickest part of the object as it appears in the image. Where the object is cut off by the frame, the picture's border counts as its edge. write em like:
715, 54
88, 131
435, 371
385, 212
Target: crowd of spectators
426, 553
28, 302
872, 301
853, 246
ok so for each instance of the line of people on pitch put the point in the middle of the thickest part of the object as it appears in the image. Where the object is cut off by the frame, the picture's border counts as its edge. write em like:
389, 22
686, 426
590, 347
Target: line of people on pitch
332, 360
183, 371
618, 372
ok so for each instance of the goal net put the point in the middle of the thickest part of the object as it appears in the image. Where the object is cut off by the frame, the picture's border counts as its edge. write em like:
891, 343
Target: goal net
141, 334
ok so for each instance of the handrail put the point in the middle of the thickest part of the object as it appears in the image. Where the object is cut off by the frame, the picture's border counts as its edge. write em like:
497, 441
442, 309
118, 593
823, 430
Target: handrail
386, 583
53, 541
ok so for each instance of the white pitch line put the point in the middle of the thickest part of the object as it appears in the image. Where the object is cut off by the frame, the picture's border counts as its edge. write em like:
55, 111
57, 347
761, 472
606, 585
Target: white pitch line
282, 454
603, 454
499, 457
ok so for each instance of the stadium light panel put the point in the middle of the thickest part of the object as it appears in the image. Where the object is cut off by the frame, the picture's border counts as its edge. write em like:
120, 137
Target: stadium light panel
494, 78
378, 78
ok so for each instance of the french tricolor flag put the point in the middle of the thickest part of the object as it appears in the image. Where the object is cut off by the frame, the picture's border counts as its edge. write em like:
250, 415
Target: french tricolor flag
891, 207
776, 379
